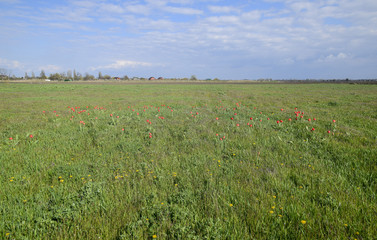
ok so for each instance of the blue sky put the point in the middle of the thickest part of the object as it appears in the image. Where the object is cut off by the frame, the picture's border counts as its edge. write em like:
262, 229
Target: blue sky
292, 39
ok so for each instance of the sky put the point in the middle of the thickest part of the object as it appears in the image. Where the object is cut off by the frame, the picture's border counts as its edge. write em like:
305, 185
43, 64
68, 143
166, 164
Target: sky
229, 40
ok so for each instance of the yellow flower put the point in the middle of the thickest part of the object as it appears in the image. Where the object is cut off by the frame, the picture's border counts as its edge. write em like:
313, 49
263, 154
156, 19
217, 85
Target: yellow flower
303, 221
154, 236
7, 234
230, 205
271, 212
61, 180
345, 224
273, 207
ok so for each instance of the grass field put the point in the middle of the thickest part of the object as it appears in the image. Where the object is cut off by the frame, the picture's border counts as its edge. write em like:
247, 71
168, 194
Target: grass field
188, 161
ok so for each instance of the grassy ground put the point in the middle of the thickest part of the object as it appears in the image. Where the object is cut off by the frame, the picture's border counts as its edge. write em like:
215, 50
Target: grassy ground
188, 162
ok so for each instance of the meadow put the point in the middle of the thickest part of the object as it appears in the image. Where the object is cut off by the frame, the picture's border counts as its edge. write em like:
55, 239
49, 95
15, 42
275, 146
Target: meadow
253, 161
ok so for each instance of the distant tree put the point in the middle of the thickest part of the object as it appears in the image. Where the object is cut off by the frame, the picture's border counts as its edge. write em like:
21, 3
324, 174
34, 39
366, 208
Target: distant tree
63, 75
55, 76
79, 76
126, 77
100, 75
26, 76
74, 75
42, 75
4, 73
193, 77
32, 75
88, 77
69, 74
107, 77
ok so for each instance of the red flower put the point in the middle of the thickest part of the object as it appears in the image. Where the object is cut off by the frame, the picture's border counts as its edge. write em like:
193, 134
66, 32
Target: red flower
328, 131
217, 118
289, 119
334, 121
231, 118
251, 118
237, 125
10, 138
31, 136
313, 129
111, 115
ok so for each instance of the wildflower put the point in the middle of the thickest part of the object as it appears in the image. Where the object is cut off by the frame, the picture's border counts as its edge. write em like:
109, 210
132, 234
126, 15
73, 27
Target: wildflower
303, 221
154, 236
10, 138
271, 212
230, 205
31, 136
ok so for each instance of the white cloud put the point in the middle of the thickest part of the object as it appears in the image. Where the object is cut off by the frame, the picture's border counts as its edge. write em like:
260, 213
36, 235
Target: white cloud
12, 64
182, 10
50, 68
111, 8
138, 8
223, 9
119, 64
334, 58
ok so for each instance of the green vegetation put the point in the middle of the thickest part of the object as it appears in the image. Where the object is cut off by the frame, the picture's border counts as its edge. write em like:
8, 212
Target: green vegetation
81, 161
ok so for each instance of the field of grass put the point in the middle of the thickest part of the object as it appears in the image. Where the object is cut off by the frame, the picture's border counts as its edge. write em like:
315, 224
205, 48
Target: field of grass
81, 161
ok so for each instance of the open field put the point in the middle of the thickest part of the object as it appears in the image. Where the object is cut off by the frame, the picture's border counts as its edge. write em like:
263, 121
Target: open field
98, 161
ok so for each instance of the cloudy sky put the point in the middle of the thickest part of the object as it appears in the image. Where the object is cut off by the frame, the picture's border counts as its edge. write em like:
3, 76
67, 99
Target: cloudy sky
249, 39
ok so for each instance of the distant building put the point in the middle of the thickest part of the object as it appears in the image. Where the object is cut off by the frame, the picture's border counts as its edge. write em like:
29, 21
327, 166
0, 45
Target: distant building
152, 78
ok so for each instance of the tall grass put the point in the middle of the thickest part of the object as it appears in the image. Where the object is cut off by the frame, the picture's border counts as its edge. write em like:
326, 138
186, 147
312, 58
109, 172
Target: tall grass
168, 162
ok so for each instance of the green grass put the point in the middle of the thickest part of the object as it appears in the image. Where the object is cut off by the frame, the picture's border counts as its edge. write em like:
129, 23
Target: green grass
94, 180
